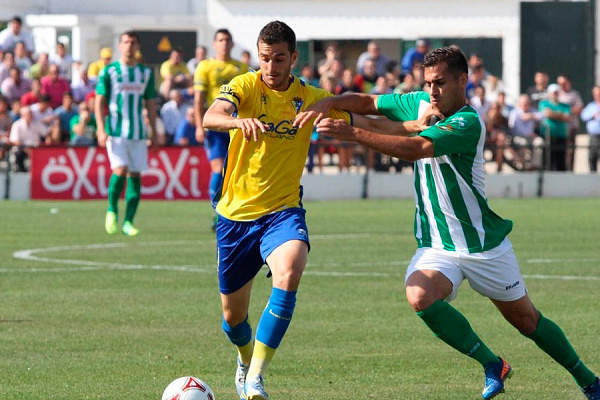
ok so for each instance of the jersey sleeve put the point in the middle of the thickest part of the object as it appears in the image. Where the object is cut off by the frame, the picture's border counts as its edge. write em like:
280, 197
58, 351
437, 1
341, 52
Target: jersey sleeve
201, 77
458, 134
103, 84
402, 107
236, 91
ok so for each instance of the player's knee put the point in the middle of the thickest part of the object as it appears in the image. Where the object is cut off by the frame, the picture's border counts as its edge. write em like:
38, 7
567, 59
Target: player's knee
418, 298
234, 317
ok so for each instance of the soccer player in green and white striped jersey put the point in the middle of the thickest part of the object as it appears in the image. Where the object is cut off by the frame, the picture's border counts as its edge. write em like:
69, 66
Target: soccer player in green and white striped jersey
458, 235
128, 87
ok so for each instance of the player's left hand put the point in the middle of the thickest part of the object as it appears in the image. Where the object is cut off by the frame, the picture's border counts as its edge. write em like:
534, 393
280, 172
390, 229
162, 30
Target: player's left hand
336, 128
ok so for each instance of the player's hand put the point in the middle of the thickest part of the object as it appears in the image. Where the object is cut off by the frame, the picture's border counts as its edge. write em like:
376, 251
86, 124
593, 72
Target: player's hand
250, 128
200, 134
102, 137
318, 111
429, 118
336, 128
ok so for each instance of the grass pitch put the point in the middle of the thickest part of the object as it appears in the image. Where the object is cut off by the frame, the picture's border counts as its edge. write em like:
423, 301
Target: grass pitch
85, 315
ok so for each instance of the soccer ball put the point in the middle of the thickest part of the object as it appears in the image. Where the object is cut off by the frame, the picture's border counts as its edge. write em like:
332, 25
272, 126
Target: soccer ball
188, 388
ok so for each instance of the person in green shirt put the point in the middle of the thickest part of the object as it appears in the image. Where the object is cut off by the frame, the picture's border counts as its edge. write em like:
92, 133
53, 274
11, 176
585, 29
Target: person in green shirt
555, 127
83, 126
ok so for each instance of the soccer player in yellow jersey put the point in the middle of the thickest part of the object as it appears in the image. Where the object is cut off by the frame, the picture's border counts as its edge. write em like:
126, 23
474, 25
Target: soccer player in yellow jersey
261, 218
210, 75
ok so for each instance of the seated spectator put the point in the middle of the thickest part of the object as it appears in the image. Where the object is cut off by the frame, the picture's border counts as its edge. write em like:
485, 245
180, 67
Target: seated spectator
172, 113
591, 116
15, 85
22, 60
522, 122
161, 135
186, 130
63, 115
83, 126
15, 110
82, 86
43, 113
174, 73
25, 134
480, 103
414, 55
366, 80
347, 84
497, 133
63, 60
96, 66
8, 62
374, 54
408, 84
505, 108
41, 68
307, 75
33, 96
332, 53
6, 122
14, 34
381, 86
555, 126
201, 52
55, 86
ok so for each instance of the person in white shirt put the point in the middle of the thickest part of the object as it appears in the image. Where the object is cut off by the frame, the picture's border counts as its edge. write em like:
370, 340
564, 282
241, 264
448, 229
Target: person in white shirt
63, 60
24, 134
14, 34
172, 113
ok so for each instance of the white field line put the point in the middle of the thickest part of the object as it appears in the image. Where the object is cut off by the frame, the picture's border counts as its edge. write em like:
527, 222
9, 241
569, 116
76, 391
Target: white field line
84, 265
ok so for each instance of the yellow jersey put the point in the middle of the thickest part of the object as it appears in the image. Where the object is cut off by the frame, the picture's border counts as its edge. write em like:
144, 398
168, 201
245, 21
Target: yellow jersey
167, 68
264, 177
211, 74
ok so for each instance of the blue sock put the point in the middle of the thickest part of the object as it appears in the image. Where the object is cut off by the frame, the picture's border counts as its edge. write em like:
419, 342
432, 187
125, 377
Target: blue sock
240, 335
276, 317
215, 183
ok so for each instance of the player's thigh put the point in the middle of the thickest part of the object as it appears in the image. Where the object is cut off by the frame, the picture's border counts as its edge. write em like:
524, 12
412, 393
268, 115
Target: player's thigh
216, 144
138, 155
285, 246
432, 275
116, 148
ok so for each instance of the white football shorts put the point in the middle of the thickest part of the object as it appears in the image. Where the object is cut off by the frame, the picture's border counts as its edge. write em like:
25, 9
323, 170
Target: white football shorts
494, 273
123, 152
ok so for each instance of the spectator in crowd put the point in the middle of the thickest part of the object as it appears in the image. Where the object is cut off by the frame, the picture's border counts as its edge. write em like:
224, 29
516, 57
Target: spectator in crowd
480, 103
172, 113
381, 86
62, 117
476, 78
414, 55
591, 116
366, 80
96, 66
22, 60
24, 134
55, 86
6, 122
82, 86
33, 96
407, 85
493, 87
201, 52
14, 34
15, 85
332, 53
174, 73
568, 95
41, 68
8, 62
347, 84
539, 90
63, 60
555, 127
43, 113
497, 131
522, 122
186, 130
15, 110
159, 134
374, 54
307, 74
505, 108
83, 125
476, 64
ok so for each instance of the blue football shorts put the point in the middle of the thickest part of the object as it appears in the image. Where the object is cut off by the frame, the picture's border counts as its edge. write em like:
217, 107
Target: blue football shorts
243, 247
216, 144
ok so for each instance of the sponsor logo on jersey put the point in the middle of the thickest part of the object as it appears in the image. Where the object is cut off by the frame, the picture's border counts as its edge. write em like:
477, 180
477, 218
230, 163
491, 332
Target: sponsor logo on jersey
279, 130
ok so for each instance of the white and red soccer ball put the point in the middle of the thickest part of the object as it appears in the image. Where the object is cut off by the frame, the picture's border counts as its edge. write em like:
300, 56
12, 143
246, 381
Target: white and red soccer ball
188, 388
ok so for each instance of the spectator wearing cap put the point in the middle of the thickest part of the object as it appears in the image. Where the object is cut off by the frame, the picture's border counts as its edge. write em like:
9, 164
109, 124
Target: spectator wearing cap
97, 66
55, 86
14, 34
414, 55
555, 126
373, 53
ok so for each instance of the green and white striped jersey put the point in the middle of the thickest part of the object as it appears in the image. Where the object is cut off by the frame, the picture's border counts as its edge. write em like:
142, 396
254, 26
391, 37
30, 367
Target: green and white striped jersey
125, 88
452, 211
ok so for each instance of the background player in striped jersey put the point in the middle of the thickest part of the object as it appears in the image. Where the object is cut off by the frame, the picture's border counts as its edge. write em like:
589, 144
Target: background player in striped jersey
459, 237
210, 75
128, 87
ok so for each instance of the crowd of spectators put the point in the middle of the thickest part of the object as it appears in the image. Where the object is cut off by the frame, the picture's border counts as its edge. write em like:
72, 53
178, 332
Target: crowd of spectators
49, 99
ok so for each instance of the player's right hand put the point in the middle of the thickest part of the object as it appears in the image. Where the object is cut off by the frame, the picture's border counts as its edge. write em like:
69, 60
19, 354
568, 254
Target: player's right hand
102, 137
250, 128
318, 111
200, 134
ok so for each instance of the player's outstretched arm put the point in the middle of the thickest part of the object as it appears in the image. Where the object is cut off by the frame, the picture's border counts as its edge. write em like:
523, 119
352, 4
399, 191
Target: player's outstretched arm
358, 103
400, 128
405, 148
219, 118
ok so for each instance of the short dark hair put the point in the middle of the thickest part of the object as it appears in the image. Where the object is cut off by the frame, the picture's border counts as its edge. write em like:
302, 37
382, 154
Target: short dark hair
17, 19
223, 31
451, 55
277, 32
131, 34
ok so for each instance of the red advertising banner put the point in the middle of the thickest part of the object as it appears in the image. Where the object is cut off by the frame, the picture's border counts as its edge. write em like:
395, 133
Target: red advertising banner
174, 173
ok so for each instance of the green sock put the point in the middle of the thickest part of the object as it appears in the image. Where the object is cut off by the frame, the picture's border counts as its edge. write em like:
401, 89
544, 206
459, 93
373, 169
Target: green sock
115, 187
452, 327
132, 197
552, 340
